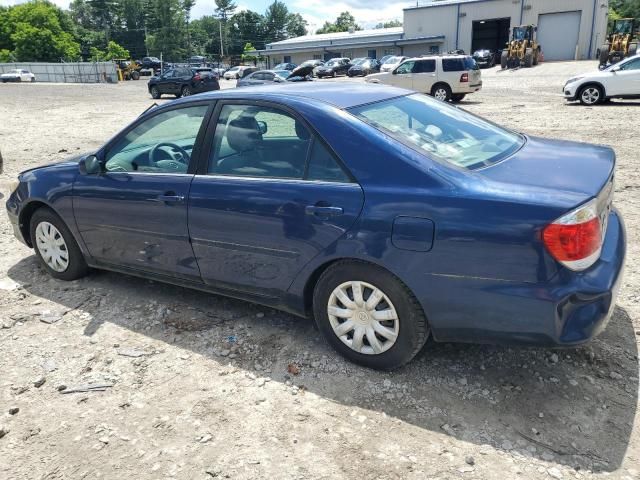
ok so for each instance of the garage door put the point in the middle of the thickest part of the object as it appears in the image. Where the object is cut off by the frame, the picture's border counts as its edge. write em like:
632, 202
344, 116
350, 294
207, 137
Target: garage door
558, 34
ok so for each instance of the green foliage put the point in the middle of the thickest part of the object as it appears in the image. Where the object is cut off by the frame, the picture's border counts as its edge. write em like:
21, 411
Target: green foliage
280, 24
113, 51
225, 8
625, 8
391, 24
38, 31
247, 55
343, 23
6, 56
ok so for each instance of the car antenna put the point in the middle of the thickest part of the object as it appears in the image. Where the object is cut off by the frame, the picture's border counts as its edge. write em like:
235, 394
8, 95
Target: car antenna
153, 105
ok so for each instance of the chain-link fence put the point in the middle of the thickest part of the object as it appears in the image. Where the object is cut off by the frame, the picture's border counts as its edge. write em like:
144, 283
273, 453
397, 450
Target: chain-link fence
85, 72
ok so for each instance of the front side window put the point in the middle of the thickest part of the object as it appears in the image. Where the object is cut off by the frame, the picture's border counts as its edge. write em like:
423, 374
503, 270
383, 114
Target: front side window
161, 144
631, 65
406, 67
440, 131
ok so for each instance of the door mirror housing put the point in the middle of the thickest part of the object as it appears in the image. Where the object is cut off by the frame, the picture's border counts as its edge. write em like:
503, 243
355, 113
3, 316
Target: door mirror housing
262, 126
90, 165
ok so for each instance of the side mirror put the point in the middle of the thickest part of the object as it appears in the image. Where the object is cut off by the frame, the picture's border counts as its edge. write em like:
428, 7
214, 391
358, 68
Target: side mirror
262, 126
90, 165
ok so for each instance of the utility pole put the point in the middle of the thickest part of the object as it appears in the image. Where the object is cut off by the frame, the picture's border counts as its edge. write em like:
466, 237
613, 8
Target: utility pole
221, 48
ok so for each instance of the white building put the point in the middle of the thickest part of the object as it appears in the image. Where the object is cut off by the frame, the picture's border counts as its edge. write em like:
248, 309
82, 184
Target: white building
567, 29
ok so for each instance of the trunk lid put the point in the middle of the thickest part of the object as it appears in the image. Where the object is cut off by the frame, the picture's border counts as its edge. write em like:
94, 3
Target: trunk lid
558, 172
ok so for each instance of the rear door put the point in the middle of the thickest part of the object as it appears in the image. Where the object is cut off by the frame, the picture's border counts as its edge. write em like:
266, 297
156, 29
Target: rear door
270, 197
424, 75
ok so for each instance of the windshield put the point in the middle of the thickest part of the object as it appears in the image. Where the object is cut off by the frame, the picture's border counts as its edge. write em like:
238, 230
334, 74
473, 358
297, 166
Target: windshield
282, 73
440, 131
332, 63
393, 60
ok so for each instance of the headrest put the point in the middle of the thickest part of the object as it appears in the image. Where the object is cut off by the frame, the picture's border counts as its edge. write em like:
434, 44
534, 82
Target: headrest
243, 133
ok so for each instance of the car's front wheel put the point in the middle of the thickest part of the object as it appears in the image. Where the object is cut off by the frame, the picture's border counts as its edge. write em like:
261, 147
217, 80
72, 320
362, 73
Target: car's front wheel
368, 315
591, 95
55, 246
155, 92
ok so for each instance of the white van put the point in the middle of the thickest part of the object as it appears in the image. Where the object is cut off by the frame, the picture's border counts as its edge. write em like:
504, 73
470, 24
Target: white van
446, 77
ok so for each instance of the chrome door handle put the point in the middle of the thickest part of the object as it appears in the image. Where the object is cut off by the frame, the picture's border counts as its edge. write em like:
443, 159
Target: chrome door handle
323, 211
171, 198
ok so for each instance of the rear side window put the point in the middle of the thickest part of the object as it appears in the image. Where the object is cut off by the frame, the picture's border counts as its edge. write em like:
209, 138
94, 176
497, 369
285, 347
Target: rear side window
458, 64
424, 66
323, 166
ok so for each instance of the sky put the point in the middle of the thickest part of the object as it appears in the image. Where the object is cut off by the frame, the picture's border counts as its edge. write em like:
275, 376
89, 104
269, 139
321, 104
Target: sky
367, 12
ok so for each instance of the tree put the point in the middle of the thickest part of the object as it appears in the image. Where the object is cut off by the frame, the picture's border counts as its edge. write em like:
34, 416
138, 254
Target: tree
245, 27
205, 38
166, 29
296, 25
343, 23
275, 21
225, 8
38, 31
391, 24
247, 54
626, 8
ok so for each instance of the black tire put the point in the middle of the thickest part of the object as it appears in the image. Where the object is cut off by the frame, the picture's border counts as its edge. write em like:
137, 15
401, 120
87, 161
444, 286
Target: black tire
441, 91
186, 91
33, 79
604, 55
333, 74
504, 60
77, 266
591, 95
457, 97
155, 93
135, 75
413, 329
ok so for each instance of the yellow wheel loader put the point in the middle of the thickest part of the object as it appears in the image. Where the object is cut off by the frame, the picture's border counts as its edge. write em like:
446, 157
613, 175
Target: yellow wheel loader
523, 49
621, 43
127, 70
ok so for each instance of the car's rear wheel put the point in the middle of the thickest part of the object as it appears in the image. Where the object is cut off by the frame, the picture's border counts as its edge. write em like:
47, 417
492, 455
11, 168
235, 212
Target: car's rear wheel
591, 95
155, 93
368, 315
441, 91
55, 246
186, 91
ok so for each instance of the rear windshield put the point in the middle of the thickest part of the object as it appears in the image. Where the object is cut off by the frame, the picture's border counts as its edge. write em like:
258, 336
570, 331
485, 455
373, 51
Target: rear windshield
442, 132
458, 64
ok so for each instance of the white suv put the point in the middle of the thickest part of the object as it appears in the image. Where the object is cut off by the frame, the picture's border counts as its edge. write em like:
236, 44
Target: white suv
446, 77
621, 80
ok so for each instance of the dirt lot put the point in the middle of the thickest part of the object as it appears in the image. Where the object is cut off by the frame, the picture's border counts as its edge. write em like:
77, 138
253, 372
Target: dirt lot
197, 386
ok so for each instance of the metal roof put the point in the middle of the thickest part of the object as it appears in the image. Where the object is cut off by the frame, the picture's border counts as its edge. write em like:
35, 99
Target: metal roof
442, 3
338, 36
339, 94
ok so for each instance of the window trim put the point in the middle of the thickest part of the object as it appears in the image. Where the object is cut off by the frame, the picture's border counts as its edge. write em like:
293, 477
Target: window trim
194, 160
208, 145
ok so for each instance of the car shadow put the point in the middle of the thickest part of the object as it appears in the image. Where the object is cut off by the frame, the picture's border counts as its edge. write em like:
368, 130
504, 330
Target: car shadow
611, 103
573, 407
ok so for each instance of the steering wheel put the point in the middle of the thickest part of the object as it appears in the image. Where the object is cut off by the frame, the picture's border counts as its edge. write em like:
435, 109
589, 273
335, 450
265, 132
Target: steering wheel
183, 156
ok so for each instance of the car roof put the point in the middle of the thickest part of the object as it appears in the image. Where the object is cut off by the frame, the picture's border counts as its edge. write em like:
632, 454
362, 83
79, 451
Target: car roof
333, 93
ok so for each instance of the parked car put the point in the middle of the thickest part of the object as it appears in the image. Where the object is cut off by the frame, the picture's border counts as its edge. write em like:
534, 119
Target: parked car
151, 62
262, 77
621, 80
364, 67
183, 82
334, 67
285, 66
440, 223
446, 77
238, 71
197, 61
391, 63
385, 58
18, 75
485, 58
314, 64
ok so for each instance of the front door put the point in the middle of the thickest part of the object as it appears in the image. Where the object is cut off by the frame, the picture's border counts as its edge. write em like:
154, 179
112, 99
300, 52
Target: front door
403, 75
270, 199
625, 80
134, 215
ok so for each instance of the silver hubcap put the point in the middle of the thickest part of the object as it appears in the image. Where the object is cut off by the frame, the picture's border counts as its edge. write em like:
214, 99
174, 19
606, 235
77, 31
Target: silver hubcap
363, 317
440, 94
591, 95
52, 247
186, 92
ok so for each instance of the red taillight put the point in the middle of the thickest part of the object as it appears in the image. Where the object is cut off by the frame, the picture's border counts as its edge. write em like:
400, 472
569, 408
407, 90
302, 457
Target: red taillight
464, 77
575, 240
197, 77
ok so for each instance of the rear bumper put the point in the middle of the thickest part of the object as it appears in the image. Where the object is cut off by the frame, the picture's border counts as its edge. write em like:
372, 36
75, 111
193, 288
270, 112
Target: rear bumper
468, 87
569, 310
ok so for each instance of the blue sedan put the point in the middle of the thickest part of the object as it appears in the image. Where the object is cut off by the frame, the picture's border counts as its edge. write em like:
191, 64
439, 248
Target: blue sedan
384, 215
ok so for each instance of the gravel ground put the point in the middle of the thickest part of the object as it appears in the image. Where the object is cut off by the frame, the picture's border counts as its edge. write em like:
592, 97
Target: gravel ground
196, 386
